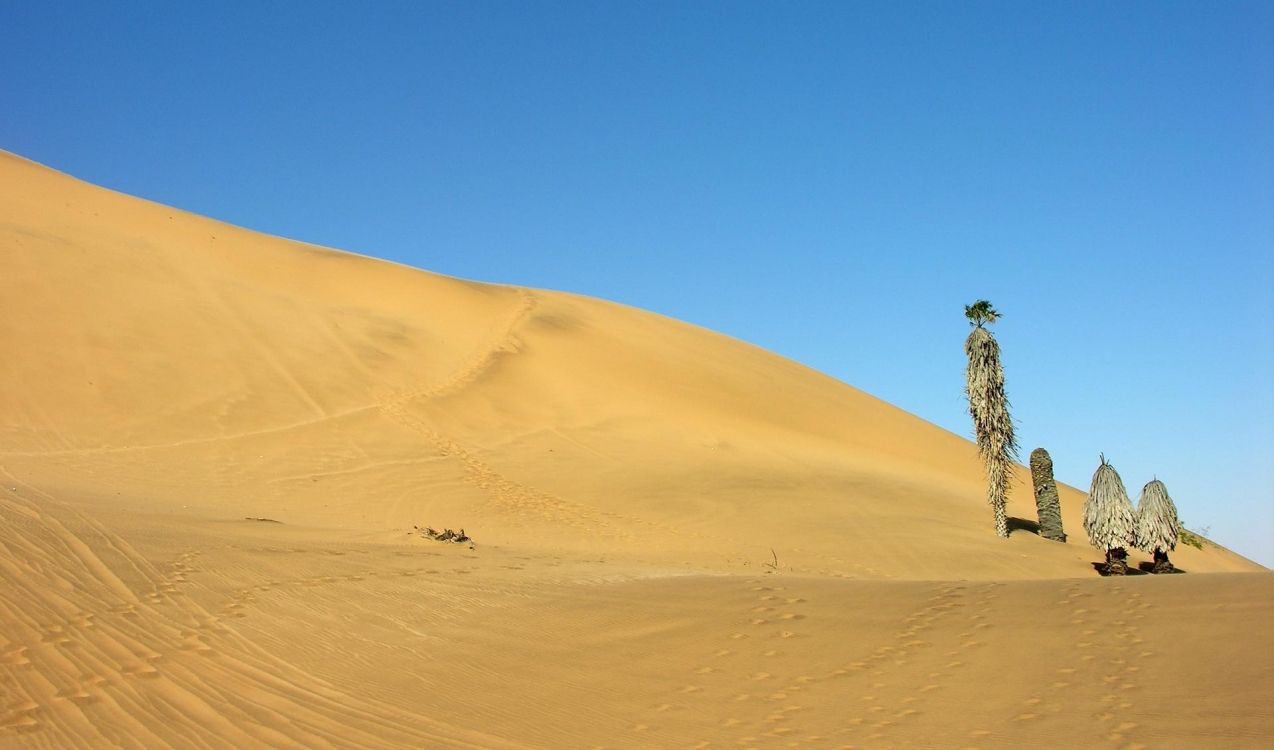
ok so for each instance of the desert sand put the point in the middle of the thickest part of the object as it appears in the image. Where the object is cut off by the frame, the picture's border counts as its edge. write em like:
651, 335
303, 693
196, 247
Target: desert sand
679, 540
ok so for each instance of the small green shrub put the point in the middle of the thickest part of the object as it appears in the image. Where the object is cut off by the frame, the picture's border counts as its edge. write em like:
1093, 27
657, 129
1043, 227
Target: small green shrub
1189, 537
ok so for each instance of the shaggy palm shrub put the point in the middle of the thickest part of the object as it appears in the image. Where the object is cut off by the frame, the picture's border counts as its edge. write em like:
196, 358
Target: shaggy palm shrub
1109, 518
1157, 525
989, 407
1047, 504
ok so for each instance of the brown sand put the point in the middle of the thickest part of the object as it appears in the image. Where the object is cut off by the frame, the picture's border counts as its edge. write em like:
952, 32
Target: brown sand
629, 481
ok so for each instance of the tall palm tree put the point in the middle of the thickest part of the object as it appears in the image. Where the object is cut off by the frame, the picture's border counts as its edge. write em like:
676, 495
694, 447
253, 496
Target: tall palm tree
1157, 525
1109, 518
989, 407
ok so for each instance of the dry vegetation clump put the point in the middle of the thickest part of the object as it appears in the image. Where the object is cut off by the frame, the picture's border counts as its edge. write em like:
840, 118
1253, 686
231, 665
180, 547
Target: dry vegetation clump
1191, 539
1109, 518
446, 535
1157, 525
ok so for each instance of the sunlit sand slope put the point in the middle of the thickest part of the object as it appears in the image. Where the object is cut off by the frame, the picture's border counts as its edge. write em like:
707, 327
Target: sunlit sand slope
181, 364
680, 538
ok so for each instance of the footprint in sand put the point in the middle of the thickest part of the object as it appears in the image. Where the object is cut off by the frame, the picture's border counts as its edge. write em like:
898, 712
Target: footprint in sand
77, 695
16, 657
142, 671
21, 723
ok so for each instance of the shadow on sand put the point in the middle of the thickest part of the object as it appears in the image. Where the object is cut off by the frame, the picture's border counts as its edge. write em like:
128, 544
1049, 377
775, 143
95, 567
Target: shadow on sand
1022, 524
1100, 567
1149, 567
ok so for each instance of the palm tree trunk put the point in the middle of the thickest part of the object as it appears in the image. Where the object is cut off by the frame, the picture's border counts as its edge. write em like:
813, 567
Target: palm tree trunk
1116, 562
1047, 504
1162, 563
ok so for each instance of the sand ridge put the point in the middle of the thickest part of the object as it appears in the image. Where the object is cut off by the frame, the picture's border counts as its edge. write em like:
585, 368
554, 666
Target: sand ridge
680, 540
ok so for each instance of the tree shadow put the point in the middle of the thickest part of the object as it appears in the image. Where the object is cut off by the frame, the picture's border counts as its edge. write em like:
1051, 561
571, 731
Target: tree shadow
1023, 524
1149, 567
1032, 527
1100, 567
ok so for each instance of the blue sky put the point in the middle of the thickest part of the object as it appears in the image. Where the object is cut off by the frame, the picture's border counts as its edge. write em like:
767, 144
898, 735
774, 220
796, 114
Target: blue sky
832, 181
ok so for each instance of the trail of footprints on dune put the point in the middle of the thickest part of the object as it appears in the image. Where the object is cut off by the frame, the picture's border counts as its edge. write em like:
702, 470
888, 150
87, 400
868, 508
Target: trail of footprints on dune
507, 494
1111, 651
772, 620
129, 657
523, 501
188, 628
121, 651
955, 607
510, 496
769, 714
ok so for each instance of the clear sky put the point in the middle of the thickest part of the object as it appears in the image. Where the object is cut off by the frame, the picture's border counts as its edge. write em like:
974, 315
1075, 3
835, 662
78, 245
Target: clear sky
832, 181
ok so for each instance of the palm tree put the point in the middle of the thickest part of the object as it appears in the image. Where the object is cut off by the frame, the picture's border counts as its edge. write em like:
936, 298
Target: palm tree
989, 407
1047, 504
1157, 525
1109, 518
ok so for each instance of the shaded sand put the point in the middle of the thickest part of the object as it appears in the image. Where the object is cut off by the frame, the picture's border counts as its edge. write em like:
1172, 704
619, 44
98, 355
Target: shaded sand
629, 481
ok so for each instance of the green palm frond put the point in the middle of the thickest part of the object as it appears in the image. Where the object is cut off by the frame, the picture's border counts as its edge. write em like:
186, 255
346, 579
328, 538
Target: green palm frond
980, 313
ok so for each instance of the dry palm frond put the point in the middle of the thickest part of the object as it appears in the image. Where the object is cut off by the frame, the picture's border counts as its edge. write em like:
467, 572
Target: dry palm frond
992, 426
1109, 518
1157, 524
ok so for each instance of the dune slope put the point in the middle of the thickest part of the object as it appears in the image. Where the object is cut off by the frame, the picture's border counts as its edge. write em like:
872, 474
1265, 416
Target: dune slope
678, 535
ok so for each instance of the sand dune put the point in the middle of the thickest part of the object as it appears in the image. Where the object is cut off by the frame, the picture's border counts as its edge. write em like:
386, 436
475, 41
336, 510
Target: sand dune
629, 480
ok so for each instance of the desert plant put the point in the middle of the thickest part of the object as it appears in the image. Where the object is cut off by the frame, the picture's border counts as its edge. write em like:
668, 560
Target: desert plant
1109, 518
1157, 525
1047, 504
989, 407
1192, 539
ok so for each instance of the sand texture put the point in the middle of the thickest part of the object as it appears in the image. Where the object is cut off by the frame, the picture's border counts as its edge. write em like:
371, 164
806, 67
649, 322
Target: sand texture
679, 540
